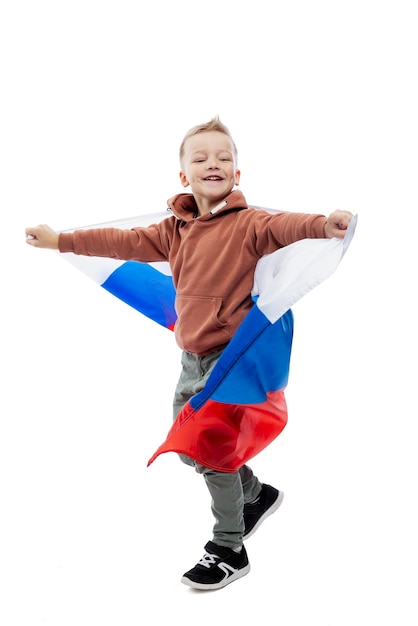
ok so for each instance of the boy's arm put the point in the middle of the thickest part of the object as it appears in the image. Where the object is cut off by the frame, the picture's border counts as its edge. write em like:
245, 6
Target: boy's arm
273, 231
141, 244
42, 236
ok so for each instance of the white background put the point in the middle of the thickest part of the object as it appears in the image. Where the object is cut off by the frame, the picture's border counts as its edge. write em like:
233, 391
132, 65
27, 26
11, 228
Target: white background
321, 98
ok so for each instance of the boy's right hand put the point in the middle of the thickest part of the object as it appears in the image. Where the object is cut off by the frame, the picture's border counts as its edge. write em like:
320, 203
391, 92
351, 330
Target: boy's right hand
42, 236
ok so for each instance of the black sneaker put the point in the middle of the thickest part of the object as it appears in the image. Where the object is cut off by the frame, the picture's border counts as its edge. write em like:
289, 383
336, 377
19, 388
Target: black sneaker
218, 567
254, 514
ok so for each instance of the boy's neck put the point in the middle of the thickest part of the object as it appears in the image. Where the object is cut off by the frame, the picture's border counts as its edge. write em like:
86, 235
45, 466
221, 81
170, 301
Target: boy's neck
205, 207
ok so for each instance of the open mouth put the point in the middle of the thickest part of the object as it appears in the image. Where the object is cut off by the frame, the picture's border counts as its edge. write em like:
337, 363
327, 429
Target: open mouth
213, 178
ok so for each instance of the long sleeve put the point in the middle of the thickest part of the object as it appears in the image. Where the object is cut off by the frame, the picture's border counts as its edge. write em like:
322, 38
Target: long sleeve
140, 244
282, 229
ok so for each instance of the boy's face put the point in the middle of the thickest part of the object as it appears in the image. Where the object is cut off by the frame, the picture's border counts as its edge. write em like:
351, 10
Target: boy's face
209, 167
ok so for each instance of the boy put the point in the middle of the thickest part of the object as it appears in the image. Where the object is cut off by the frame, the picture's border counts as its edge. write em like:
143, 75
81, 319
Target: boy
213, 242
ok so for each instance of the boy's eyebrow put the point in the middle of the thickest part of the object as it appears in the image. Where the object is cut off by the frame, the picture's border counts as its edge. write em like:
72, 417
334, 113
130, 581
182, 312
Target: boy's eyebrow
204, 150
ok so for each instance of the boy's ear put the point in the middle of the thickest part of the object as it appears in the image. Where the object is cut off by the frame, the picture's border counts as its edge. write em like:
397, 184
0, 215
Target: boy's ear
237, 177
184, 180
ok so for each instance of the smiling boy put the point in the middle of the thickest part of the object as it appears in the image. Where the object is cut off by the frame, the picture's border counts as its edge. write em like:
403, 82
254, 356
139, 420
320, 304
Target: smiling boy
209, 166
213, 242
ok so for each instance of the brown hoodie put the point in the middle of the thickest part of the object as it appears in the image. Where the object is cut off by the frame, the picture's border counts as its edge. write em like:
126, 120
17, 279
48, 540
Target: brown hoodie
212, 259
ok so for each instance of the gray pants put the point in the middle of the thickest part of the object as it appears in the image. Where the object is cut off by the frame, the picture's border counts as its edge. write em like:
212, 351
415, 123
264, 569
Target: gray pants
229, 491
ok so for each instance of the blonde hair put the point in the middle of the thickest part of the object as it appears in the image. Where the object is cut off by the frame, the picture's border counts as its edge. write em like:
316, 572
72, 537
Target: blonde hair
214, 124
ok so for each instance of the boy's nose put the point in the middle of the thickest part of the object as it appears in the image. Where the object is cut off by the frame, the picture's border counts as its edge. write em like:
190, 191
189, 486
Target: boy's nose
213, 164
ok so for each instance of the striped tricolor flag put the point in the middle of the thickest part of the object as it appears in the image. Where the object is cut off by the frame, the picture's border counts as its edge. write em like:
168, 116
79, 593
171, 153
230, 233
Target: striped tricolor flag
242, 407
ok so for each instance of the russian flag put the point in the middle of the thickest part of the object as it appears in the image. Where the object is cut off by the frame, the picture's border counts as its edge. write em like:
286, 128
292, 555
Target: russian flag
242, 408
147, 287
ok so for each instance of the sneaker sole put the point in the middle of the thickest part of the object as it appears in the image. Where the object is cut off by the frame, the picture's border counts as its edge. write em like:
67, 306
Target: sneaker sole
223, 583
267, 514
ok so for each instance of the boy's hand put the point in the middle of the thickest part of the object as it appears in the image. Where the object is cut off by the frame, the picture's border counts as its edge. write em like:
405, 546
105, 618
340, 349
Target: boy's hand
42, 236
337, 224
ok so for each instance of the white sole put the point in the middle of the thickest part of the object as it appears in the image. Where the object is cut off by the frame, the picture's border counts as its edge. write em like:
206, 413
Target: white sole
220, 585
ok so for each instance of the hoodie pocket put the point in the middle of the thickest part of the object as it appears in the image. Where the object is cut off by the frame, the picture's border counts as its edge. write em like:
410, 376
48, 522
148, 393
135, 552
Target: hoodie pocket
199, 327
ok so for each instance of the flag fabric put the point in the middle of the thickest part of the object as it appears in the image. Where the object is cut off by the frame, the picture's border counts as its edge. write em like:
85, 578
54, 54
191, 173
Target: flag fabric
242, 407
147, 287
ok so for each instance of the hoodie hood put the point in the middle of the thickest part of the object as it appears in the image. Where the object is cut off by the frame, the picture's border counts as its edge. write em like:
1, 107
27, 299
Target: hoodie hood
184, 207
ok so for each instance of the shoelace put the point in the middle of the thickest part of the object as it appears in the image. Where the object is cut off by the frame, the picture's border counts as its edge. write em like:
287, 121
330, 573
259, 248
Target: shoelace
208, 559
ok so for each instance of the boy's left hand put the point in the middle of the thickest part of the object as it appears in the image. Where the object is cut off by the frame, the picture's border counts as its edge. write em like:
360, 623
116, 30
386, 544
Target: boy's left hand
337, 224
